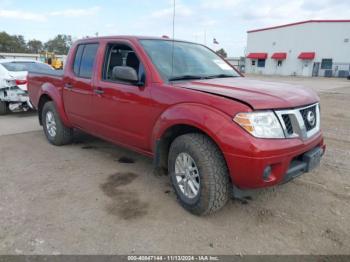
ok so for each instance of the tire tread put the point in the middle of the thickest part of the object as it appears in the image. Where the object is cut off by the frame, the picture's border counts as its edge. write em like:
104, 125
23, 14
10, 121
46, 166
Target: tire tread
214, 162
3, 108
64, 135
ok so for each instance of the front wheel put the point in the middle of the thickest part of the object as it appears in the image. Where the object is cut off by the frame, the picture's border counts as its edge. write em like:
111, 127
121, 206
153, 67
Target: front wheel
198, 174
56, 132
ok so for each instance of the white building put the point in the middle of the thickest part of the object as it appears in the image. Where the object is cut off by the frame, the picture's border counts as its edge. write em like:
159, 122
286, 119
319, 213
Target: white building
308, 48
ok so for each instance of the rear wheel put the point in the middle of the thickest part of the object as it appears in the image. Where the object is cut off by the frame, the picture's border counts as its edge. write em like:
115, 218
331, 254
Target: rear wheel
56, 132
3, 108
198, 174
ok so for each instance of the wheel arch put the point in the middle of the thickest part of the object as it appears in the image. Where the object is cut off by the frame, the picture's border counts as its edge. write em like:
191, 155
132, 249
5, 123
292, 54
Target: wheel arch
50, 92
198, 119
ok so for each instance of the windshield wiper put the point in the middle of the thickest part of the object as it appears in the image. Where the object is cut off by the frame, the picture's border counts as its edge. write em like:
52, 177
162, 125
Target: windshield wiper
219, 76
191, 77
186, 77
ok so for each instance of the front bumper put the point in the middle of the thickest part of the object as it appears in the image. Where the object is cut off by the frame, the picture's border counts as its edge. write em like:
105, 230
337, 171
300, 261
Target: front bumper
304, 163
285, 159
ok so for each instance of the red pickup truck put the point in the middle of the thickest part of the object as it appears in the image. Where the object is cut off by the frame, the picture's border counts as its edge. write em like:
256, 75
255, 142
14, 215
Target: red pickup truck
214, 131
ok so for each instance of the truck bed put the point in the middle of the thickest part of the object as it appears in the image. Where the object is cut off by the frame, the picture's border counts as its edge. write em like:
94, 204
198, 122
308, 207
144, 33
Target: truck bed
38, 81
58, 73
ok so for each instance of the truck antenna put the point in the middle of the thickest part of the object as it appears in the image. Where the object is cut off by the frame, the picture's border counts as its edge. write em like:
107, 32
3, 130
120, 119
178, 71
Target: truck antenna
172, 49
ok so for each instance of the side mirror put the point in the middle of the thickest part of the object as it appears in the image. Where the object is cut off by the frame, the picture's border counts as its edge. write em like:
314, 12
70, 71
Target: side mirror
125, 73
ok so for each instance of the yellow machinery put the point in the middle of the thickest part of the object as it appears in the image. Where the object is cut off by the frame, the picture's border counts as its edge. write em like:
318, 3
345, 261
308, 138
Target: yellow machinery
51, 59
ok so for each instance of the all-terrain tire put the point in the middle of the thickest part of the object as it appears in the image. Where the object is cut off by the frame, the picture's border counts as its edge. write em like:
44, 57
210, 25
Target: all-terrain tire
3, 108
64, 135
213, 173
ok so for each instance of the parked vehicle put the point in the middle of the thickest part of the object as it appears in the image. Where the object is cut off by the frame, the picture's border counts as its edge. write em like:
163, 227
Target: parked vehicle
51, 59
13, 83
213, 130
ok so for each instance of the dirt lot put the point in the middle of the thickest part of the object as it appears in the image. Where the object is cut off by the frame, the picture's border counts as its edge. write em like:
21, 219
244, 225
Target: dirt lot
95, 198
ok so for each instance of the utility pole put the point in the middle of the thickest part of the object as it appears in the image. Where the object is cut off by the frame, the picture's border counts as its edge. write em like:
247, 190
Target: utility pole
174, 8
172, 49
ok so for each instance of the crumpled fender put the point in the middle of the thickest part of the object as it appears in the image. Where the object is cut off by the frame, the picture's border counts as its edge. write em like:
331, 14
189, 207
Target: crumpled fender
208, 119
55, 93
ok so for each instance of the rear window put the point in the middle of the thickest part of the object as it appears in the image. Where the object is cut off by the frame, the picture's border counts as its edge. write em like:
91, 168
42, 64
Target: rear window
84, 60
77, 59
26, 66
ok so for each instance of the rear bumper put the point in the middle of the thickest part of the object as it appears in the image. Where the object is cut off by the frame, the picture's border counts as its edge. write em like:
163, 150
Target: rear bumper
272, 162
14, 94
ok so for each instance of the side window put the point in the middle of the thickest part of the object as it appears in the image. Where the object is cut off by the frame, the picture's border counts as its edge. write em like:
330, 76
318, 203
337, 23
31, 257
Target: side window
87, 60
77, 59
261, 62
121, 55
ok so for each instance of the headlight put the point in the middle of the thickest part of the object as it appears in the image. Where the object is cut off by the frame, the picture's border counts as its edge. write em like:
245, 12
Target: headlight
260, 124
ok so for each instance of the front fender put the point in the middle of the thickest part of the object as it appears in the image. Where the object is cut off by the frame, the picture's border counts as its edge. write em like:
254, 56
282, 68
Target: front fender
208, 119
55, 95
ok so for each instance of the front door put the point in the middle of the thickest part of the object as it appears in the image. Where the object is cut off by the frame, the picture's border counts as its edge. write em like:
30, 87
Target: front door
306, 68
315, 69
77, 90
123, 110
253, 66
278, 69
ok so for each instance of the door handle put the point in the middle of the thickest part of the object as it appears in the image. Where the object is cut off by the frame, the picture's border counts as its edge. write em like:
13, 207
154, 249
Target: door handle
99, 91
68, 85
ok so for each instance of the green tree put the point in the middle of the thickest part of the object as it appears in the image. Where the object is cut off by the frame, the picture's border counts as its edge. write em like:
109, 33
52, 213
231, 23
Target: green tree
12, 43
59, 45
221, 52
20, 44
5, 42
34, 46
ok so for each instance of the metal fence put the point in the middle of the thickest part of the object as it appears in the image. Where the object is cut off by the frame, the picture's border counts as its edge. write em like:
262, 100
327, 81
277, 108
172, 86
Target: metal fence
335, 70
238, 62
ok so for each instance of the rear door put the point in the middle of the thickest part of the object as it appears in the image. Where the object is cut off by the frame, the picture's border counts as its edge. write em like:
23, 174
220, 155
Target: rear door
78, 90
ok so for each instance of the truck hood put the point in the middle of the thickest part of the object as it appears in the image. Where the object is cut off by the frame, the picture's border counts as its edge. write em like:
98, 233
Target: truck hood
258, 94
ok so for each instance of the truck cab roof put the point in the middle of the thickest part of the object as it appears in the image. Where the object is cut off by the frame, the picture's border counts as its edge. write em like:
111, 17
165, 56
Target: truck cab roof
131, 38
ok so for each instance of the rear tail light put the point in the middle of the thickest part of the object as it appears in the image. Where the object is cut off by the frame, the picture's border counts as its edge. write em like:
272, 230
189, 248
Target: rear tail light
21, 82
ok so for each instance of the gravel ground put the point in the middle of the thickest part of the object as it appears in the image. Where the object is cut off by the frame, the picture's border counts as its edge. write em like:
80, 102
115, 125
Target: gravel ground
92, 197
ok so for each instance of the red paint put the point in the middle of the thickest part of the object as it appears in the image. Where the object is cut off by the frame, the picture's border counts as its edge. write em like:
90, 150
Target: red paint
258, 94
307, 55
136, 117
257, 55
298, 23
279, 56
21, 82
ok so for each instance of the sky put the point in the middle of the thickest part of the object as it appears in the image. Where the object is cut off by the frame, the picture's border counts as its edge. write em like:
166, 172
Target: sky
196, 20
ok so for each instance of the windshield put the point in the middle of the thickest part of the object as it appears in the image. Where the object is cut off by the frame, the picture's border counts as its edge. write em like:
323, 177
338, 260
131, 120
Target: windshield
26, 66
191, 61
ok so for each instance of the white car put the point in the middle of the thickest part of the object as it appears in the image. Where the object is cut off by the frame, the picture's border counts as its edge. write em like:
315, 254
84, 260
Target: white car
13, 83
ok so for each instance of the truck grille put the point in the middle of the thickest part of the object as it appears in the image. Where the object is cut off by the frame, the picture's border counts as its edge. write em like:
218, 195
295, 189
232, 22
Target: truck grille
307, 112
300, 122
288, 124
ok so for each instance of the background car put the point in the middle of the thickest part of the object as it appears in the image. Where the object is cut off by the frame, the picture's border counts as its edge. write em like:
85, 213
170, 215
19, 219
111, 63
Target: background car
13, 83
